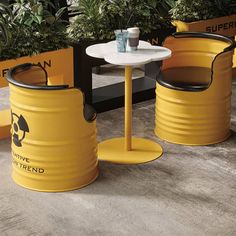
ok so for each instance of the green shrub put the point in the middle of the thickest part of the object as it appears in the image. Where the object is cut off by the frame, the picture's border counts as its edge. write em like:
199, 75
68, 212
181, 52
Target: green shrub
188, 10
91, 21
31, 29
98, 19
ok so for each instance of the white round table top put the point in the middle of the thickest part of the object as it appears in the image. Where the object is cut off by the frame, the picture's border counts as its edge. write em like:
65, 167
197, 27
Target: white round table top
146, 53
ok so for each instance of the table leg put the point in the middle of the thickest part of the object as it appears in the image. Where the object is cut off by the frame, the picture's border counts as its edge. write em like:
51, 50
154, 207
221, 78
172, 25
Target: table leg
128, 108
128, 149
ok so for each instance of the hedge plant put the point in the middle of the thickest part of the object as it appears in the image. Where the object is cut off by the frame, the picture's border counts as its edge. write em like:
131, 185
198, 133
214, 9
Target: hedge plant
98, 19
31, 29
189, 11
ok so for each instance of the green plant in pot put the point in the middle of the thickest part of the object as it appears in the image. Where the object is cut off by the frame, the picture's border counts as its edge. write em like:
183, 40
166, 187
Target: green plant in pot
148, 15
158, 25
90, 23
35, 29
98, 19
29, 29
6, 27
189, 11
214, 16
121, 11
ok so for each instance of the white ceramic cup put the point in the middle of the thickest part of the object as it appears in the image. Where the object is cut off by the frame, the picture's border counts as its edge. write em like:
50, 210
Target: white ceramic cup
133, 38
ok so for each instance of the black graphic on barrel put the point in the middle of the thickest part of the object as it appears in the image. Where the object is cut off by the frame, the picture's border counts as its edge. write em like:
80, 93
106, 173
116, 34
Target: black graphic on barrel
19, 128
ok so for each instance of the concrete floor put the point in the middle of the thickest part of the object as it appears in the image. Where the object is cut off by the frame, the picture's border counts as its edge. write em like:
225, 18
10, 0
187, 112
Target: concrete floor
188, 191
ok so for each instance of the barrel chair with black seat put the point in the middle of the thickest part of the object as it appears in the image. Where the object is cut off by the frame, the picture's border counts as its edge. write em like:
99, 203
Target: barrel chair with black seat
193, 92
54, 145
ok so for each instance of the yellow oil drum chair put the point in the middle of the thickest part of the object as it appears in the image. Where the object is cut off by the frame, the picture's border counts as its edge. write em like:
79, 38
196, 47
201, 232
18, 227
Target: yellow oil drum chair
193, 91
54, 145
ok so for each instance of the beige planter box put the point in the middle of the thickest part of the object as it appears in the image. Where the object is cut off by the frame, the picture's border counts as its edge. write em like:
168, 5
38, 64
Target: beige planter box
225, 25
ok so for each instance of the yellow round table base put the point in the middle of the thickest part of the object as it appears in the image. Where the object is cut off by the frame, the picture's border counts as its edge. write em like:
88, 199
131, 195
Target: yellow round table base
143, 150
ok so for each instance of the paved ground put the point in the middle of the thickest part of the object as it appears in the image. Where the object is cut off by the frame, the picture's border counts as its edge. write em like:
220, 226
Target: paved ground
188, 191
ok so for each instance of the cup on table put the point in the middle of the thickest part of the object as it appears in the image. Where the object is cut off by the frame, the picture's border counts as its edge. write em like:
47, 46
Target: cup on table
133, 38
121, 40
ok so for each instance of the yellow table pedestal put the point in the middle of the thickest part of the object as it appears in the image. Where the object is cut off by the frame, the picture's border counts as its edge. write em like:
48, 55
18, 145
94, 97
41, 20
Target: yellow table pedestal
128, 150
143, 150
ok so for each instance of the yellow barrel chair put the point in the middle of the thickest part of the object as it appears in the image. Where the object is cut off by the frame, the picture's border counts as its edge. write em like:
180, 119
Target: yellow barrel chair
193, 92
54, 145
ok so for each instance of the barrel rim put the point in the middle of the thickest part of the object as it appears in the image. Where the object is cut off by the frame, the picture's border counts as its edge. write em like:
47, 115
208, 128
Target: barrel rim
190, 34
26, 66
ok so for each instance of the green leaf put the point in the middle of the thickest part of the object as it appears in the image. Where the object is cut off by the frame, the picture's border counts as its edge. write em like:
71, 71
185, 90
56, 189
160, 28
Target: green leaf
60, 12
50, 19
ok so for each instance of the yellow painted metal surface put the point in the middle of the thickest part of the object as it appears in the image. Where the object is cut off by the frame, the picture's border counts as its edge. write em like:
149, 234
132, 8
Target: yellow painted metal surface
128, 149
234, 62
5, 124
53, 147
59, 65
196, 118
128, 108
143, 150
222, 25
